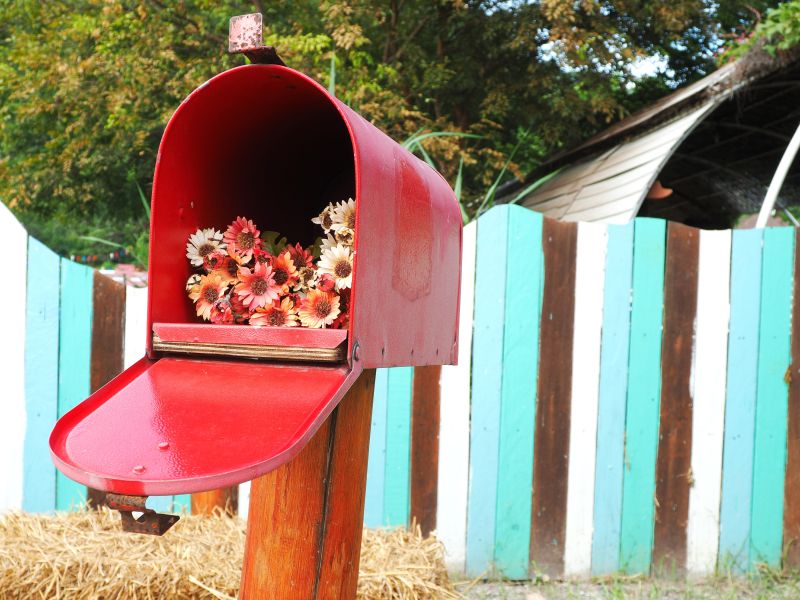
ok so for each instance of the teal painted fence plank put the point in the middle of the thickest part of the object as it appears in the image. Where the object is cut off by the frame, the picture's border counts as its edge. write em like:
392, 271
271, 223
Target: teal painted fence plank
398, 446
740, 401
520, 360
612, 400
182, 503
74, 358
487, 367
373, 502
772, 400
41, 376
160, 503
644, 392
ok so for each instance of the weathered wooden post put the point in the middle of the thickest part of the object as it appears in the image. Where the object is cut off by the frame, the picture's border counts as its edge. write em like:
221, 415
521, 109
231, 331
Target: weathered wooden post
211, 406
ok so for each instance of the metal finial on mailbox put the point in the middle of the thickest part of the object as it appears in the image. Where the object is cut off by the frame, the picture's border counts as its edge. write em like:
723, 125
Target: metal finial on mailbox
246, 36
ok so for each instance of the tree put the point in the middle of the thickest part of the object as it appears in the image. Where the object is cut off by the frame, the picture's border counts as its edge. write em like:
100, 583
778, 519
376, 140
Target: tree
86, 86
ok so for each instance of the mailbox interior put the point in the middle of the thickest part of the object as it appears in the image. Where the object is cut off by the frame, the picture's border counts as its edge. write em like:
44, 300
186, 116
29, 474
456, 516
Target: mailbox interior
260, 142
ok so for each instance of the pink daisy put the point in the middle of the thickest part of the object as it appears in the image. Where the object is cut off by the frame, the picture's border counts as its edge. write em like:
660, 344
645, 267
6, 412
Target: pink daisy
242, 238
221, 312
257, 287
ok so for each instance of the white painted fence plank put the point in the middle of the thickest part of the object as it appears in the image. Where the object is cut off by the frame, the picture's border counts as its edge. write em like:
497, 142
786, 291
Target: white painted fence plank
589, 282
12, 367
451, 512
709, 368
135, 324
244, 499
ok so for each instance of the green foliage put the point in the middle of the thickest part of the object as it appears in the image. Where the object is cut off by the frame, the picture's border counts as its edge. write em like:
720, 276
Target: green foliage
87, 86
780, 30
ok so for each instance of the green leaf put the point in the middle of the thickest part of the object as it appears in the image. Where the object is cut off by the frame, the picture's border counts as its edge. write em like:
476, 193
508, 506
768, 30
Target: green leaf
273, 242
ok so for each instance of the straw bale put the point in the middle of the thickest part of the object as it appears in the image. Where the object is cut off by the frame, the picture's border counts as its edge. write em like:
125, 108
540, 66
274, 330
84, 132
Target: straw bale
83, 555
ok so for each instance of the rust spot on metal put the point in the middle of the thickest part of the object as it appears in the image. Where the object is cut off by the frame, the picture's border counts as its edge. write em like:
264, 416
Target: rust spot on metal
245, 37
149, 522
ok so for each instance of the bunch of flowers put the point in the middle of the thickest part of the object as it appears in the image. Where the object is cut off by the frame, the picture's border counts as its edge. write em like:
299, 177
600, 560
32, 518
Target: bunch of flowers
245, 277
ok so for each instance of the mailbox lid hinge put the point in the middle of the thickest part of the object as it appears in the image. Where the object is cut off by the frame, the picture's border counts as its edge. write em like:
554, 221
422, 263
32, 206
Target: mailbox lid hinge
149, 522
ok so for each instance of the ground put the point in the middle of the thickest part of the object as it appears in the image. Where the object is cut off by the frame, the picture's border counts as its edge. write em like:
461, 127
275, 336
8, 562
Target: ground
766, 586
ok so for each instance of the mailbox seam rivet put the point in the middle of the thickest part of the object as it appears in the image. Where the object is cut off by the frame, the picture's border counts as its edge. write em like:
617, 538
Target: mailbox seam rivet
356, 351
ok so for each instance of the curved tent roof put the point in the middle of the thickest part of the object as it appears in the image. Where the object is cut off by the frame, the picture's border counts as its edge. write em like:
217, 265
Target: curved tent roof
607, 177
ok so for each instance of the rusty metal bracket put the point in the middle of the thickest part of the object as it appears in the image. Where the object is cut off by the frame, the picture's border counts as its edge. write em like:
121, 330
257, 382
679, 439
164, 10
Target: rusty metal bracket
150, 522
245, 37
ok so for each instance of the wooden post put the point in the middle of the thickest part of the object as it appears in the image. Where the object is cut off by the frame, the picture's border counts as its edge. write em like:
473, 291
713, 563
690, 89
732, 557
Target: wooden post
425, 409
306, 518
226, 499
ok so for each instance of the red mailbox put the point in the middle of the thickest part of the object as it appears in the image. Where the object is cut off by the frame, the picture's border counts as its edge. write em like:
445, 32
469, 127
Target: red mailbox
214, 405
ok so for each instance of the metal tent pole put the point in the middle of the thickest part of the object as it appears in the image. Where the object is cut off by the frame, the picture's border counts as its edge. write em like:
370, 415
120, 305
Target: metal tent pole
778, 178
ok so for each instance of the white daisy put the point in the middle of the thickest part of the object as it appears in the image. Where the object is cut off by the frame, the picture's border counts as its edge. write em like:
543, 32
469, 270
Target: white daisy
325, 218
338, 262
344, 235
202, 243
344, 215
326, 244
192, 281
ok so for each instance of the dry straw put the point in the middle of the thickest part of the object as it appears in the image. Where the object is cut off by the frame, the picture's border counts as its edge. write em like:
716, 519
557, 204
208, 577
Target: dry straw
83, 555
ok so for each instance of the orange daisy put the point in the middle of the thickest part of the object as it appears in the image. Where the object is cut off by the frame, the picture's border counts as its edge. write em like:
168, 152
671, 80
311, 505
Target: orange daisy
276, 315
257, 286
284, 272
206, 293
227, 267
319, 309
242, 238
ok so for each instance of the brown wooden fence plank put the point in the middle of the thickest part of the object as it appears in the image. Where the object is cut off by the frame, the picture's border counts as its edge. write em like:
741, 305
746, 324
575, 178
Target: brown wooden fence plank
551, 464
791, 492
305, 518
224, 499
673, 465
108, 342
425, 446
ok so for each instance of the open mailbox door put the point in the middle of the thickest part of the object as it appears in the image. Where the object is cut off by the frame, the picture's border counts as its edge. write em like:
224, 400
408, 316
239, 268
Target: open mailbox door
216, 405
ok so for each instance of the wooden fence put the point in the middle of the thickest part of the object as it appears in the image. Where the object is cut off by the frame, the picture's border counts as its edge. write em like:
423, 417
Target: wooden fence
627, 398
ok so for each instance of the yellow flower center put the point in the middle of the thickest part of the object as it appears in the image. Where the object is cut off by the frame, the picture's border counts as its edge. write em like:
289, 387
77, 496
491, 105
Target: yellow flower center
232, 268
259, 286
343, 269
281, 276
322, 309
210, 294
327, 221
245, 240
206, 249
350, 219
276, 318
